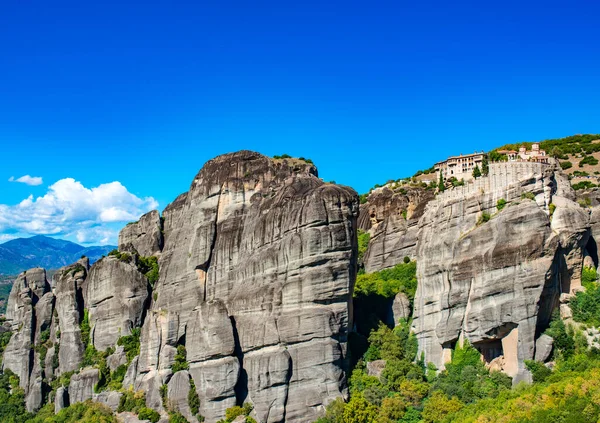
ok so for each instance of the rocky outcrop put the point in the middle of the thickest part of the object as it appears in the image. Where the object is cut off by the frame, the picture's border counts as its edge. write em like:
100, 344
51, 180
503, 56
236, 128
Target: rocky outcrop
391, 215
68, 283
257, 266
256, 275
495, 283
115, 295
144, 237
29, 311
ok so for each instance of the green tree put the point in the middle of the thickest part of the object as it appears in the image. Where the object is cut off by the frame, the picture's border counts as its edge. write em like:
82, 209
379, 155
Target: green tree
438, 407
476, 172
441, 185
485, 168
358, 410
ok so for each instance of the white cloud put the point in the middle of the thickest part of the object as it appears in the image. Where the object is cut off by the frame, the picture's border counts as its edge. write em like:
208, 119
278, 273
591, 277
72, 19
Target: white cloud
28, 180
68, 209
7, 237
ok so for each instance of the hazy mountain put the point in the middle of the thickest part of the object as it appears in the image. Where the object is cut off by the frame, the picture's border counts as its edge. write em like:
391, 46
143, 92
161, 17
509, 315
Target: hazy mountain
42, 251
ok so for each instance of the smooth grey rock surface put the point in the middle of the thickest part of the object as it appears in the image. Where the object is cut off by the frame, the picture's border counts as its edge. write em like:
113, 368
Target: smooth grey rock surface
115, 296
543, 348
391, 216
494, 283
144, 236
81, 387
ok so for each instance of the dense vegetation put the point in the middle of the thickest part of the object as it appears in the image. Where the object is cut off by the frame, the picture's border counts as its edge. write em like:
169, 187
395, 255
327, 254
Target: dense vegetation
575, 144
410, 391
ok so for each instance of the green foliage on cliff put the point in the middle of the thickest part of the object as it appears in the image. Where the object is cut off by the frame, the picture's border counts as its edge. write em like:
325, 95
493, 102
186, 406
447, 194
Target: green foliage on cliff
85, 412
575, 144
131, 343
388, 282
363, 243
149, 267
180, 360
586, 304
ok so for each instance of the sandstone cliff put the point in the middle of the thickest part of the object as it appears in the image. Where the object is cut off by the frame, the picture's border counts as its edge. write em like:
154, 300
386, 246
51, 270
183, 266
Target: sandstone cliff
492, 273
391, 216
252, 304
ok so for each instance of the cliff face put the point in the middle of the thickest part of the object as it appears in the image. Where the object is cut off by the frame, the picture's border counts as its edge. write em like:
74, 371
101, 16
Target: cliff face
257, 264
495, 283
391, 216
256, 276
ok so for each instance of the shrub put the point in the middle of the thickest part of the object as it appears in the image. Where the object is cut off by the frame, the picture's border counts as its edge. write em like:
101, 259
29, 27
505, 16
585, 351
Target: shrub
180, 360
132, 401
539, 371
406, 260
566, 165
591, 160
528, 196
149, 267
485, 216
193, 399
177, 418
551, 208
84, 326
131, 344
363, 243
388, 282
584, 185
500, 204
146, 413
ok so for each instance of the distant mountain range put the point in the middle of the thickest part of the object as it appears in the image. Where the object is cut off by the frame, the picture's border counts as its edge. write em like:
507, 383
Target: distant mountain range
42, 251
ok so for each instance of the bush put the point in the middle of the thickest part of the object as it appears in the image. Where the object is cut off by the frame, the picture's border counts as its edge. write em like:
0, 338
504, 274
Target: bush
363, 243
528, 196
84, 327
180, 360
485, 217
146, 413
131, 344
177, 418
500, 204
193, 399
132, 401
566, 165
149, 267
539, 371
584, 185
591, 160
388, 282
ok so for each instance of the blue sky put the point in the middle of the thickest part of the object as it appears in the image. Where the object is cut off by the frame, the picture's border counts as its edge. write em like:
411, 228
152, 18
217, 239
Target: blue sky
141, 94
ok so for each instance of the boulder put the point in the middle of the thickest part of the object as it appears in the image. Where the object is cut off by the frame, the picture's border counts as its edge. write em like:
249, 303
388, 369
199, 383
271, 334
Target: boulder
543, 348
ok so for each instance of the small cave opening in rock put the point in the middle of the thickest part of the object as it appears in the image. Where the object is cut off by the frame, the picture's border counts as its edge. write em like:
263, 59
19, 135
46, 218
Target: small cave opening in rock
489, 349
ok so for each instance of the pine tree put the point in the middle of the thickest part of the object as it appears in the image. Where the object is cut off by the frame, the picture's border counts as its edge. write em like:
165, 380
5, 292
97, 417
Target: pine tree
485, 168
441, 185
476, 172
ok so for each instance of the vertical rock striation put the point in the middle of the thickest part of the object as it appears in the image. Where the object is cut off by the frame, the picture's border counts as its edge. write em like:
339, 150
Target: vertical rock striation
495, 283
256, 276
392, 218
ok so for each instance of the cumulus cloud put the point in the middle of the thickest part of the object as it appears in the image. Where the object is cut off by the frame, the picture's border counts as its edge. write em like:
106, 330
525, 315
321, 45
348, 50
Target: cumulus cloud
69, 209
28, 180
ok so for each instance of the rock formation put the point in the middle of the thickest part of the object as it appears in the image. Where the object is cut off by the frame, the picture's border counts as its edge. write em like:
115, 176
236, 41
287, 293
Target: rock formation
391, 215
492, 275
257, 264
256, 276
